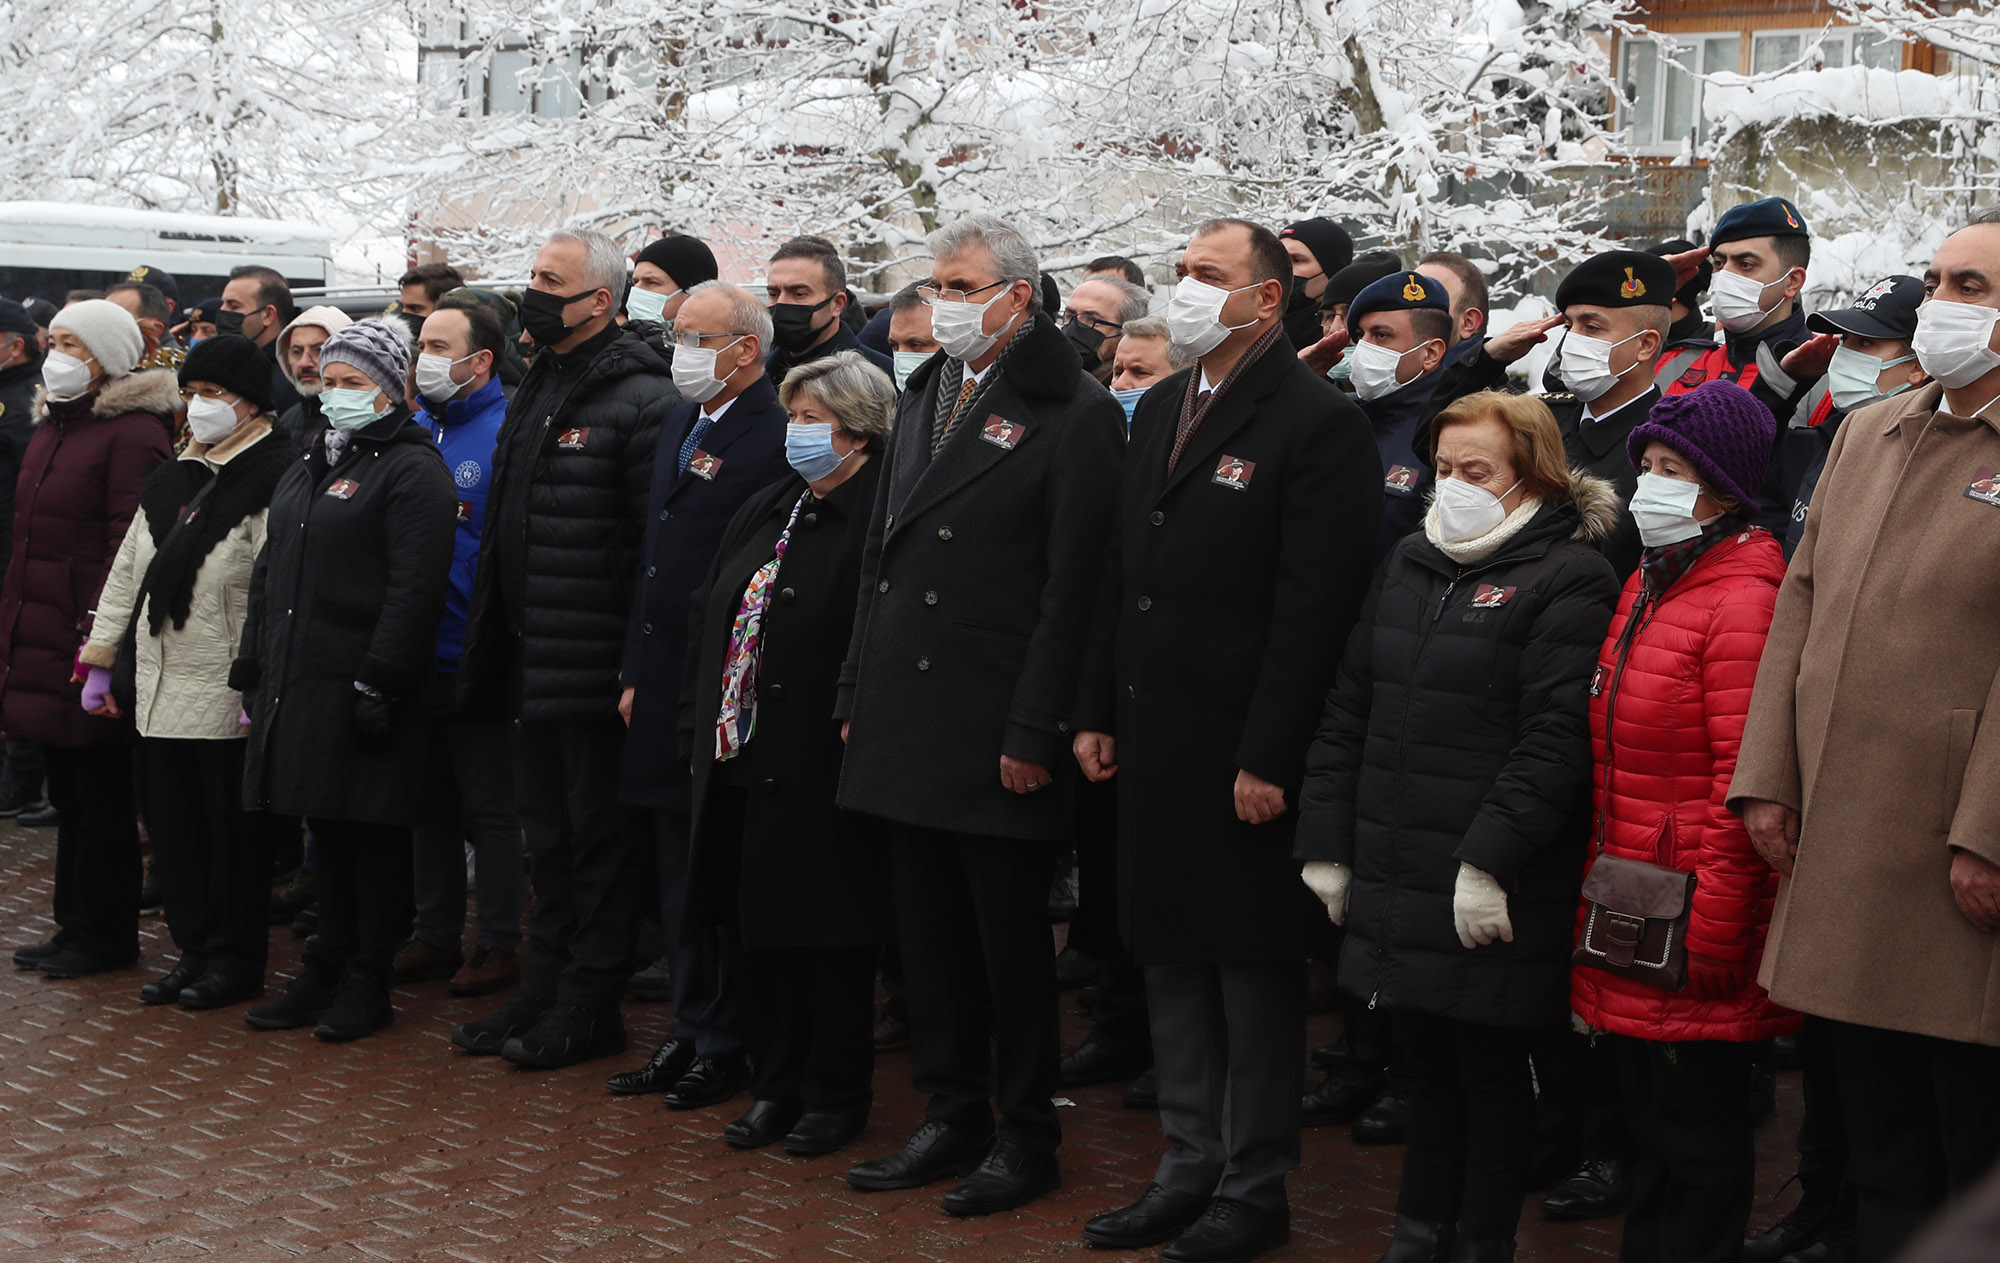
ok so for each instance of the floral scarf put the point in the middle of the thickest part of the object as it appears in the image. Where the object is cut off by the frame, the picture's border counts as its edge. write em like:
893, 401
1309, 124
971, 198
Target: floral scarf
737, 722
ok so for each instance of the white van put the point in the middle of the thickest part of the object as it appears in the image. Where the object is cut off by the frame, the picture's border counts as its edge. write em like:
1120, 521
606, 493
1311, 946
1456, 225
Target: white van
50, 248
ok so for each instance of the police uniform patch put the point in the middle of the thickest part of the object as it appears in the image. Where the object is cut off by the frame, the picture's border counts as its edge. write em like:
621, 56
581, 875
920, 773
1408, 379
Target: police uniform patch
1234, 473
1693, 377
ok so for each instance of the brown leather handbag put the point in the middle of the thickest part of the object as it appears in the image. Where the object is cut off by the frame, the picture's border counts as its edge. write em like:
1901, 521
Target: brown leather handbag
1636, 920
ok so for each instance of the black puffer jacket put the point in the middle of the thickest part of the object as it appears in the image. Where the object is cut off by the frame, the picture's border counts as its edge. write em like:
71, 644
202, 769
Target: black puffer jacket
1459, 731
565, 518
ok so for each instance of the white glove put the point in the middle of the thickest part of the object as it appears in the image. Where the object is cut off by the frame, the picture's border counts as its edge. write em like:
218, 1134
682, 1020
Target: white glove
1479, 909
1329, 882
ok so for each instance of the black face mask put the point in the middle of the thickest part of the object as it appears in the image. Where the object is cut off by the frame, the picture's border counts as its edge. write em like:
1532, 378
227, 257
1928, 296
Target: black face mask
232, 322
792, 324
1089, 342
542, 315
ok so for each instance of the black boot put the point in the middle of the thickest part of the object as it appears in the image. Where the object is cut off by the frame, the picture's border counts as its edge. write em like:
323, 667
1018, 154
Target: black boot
1387, 1120
361, 1007
1417, 1241
1806, 1223
305, 1001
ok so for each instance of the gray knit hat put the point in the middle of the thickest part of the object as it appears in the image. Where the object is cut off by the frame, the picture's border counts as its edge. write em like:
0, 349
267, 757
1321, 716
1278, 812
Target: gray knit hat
379, 348
108, 330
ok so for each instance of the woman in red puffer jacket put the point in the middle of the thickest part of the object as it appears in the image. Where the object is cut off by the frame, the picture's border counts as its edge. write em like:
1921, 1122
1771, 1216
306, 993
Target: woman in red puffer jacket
1667, 708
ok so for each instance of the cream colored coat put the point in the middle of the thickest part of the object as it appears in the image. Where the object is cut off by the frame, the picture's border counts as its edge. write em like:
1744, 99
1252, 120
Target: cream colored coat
182, 675
1868, 718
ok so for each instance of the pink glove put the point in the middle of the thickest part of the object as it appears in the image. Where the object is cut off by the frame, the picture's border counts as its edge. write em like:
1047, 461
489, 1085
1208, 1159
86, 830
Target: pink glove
96, 687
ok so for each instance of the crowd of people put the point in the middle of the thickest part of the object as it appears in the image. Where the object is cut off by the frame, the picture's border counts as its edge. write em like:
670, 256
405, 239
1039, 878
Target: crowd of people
1612, 740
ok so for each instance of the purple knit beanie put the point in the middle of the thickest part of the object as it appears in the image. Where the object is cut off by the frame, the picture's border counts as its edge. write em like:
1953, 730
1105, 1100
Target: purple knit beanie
1722, 431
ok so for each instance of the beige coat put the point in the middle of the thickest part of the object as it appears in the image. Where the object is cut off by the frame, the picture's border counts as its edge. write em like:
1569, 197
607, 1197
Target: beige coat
182, 675
1883, 658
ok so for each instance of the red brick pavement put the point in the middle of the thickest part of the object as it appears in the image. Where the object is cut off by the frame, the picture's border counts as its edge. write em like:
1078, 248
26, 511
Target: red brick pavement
157, 1133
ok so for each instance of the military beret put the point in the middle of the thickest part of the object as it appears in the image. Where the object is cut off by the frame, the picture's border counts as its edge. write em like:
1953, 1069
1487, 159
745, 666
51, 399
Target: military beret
1887, 309
1771, 217
14, 318
1343, 286
1619, 278
159, 278
1399, 291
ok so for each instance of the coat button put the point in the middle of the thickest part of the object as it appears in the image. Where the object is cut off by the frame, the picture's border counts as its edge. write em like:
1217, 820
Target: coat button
809, 521
651, 571
788, 596
663, 515
1131, 690
923, 664
944, 532
769, 785
930, 598
1062, 725
883, 586
1145, 603
648, 629
1157, 518
773, 692
889, 521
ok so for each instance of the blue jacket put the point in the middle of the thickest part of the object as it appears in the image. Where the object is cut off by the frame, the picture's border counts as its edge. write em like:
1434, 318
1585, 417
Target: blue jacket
1396, 417
470, 427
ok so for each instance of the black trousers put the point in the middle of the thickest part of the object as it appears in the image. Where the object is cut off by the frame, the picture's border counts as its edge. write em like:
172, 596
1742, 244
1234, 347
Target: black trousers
26, 766
97, 848
364, 893
812, 1026
1694, 1166
1580, 1106
1226, 1041
213, 858
706, 966
1472, 1125
584, 858
472, 774
1822, 1130
1923, 1125
979, 967
1118, 1014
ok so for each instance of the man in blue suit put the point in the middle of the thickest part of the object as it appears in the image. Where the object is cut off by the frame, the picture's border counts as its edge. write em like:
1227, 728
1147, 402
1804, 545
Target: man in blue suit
714, 453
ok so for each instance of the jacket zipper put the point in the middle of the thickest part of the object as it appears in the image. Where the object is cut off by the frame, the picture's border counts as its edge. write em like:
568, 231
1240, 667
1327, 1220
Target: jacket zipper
1642, 614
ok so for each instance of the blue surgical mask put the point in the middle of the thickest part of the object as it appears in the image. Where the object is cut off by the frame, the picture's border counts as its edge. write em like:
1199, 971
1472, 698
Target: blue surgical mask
1129, 400
906, 363
809, 448
349, 409
1852, 375
648, 305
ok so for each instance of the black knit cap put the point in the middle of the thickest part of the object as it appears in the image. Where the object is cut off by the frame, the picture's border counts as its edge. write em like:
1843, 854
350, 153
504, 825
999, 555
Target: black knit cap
687, 259
1690, 293
1328, 242
1346, 284
233, 362
1618, 278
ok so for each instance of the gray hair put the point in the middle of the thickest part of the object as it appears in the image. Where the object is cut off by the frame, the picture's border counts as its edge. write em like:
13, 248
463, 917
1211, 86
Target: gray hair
1986, 215
860, 396
906, 298
1156, 327
746, 313
1013, 257
603, 262
1132, 300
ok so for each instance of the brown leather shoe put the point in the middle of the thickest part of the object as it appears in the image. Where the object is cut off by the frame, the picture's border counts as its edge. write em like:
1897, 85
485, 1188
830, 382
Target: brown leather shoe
420, 962
489, 970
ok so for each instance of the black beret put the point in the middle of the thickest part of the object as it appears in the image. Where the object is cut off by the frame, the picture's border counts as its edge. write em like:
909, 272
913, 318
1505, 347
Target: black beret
1619, 278
1344, 285
1771, 217
14, 318
1399, 291
1329, 243
232, 362
159, 278
688, 260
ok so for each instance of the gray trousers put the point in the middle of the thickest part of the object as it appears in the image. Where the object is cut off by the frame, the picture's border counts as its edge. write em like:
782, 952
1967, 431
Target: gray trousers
1227, 1044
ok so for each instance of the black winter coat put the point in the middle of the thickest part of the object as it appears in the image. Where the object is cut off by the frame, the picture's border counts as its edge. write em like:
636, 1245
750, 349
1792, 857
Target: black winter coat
1459, 731
1598, 449
1222, 614
566, 514
810, 874
686, 515
18, 385
349, 589
976, 597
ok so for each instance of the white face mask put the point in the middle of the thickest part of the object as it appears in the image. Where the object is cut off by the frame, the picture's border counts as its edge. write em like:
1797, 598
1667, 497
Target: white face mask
1586, 364
1194, 316
1954, 341
1663, 507
649, 305
960, 328
906, 363
1852, 375
211, 420
434, 379
1376, 366
65, 376
1465, 511
1738, 301
694, 371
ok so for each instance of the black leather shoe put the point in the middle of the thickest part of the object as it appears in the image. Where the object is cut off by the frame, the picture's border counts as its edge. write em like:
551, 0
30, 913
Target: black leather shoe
1803, 1225
1160, 1214
1010, 1177
79, 962
1229, 1231
1144, 1094
168, 988
567, 1035
305, 1000
360, 1008
221, 987
487, 1036
1387, 1121
1417, 1241
1327, 1056
31, 957
1597, 1188
665, 1068
1076, 968
764, 1123
1097, 1061
936, 1149
1340, 1097
1837, 1246
819, 1132
710, 1081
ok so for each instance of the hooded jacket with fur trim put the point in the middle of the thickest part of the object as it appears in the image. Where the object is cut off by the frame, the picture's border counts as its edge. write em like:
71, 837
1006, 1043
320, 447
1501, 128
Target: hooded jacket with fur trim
1459, 732
78, 491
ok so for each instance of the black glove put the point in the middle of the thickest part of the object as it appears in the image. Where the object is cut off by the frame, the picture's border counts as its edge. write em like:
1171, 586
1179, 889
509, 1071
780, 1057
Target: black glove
374, 719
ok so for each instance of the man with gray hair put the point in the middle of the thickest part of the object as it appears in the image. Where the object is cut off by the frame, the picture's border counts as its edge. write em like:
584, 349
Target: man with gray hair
565, 517
1099, 309
975, 602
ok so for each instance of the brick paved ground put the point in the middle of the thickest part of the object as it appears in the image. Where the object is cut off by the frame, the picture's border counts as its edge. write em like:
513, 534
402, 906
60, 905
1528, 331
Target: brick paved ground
140, 1133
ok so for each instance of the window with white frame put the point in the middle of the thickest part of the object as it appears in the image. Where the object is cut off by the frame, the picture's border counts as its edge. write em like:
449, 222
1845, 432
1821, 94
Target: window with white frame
1662, 95
505, 78
1838, 46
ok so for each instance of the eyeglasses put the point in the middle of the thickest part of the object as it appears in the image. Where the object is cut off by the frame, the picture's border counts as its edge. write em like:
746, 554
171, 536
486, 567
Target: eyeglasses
1098, 323
689, 341
932, 295
206, 392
